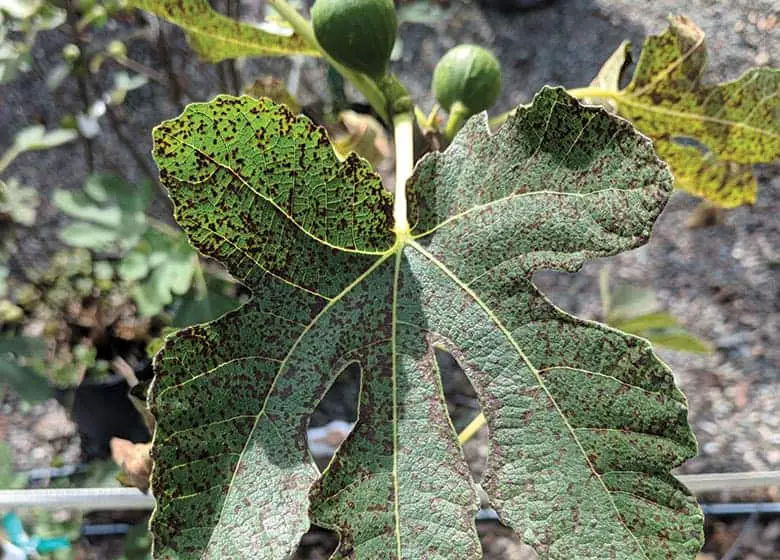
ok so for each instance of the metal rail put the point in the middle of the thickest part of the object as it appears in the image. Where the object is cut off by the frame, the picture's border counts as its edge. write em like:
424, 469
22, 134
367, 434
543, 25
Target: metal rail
102, 499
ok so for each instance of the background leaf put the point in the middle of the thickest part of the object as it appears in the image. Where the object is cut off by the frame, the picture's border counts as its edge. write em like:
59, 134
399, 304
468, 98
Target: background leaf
585, 422
216, 37
24, 381
709, 134
36, 137
17, 202
637, 311
109, 211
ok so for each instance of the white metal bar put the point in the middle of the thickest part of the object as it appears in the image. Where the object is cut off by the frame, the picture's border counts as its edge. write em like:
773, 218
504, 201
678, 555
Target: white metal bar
97, 499
715, 482
84, 499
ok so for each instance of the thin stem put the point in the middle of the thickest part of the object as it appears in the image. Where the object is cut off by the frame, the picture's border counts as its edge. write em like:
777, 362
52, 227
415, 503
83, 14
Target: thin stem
473, 427
125, 140
142, 69
89, 155
580, 93
81, 81
176, 89
498, 120
163, 227
363, 83
234, 12
458, 114
199, 279
8, 157
403, 131
222, 77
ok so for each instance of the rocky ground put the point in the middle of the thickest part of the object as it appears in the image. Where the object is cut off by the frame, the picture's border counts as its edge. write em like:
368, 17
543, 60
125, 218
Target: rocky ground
721, 281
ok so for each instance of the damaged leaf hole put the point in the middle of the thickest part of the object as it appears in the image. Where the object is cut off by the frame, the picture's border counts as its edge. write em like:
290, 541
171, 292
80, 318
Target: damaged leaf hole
334, 419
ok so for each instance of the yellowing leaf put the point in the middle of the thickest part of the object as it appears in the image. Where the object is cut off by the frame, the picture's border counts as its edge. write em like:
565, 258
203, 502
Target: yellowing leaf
585, 422
216, 37
608, 78
709, 134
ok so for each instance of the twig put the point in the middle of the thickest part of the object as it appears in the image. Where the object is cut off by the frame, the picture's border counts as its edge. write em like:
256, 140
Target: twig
224, 86
139, 158
83, 88
142, 69
176, 92
234, 12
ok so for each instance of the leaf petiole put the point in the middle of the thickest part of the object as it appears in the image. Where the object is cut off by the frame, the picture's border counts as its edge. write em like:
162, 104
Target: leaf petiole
581, 93
403, 135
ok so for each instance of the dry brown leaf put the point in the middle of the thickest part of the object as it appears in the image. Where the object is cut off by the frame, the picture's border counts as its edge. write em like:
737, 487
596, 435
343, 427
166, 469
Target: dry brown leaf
134, 460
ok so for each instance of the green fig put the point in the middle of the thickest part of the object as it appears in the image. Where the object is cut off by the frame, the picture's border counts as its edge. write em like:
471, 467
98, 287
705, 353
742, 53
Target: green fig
359, 34
468, 75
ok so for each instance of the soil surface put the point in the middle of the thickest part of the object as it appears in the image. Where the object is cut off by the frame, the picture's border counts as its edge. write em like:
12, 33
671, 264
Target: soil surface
720, 281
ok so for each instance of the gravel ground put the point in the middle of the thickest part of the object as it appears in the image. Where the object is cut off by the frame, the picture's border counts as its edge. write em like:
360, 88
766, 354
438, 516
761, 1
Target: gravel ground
721, 281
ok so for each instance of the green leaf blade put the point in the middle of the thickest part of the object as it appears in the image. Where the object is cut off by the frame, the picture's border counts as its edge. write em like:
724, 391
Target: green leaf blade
548, 210
216, 37
297, 239
585, 422
399, 486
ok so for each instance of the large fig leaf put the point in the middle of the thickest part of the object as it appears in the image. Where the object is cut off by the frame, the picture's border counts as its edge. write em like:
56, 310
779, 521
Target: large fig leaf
710, 135
585, 421
216, 37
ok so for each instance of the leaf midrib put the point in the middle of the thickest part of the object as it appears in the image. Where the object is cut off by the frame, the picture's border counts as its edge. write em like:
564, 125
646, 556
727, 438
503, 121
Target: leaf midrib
253, 46
634, 101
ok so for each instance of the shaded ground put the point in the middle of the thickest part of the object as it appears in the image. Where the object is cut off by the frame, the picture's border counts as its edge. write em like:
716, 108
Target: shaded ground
721, 281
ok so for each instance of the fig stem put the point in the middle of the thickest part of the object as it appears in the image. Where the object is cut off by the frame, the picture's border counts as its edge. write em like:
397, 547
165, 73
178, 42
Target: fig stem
363, 83
458, 114
403, 136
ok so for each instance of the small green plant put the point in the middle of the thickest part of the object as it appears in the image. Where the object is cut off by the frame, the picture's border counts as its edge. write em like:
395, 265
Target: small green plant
637, 311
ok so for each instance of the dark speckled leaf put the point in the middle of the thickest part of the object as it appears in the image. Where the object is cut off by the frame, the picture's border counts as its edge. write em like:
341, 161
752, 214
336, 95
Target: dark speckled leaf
585, 421
216, 37
710, 135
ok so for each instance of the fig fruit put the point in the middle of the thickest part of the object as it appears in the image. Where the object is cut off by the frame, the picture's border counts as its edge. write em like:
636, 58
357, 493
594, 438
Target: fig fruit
469, 75
359, 34
71, 52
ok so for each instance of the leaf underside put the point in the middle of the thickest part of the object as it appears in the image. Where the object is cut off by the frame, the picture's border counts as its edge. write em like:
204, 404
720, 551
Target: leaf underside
710, 135
216, 37
585, 421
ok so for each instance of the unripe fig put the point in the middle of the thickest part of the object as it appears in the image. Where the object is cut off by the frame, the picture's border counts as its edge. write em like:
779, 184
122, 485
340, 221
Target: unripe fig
117, 49
469, 75
359, 34
71, 52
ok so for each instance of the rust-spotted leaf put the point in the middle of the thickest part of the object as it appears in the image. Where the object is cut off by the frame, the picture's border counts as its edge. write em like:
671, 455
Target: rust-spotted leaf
216, 37
710, 135
585, 421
